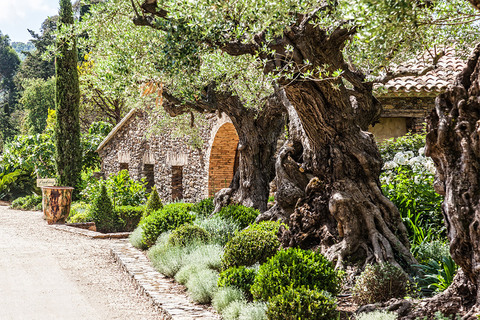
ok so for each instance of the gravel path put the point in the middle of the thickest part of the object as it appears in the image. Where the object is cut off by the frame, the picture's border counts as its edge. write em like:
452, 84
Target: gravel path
50, 274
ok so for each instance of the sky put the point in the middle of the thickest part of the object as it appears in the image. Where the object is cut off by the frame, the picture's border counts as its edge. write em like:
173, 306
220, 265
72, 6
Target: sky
18, 16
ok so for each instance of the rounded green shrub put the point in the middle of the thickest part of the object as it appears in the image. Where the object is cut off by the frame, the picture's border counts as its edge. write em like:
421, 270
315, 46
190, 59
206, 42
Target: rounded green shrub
185, 272
240, 214
153, 203
204, 208
250, 246
169, 217
380, 283
103, 213
268, 226
302, 303
188, 233
240, 277
294, 268
128, 217
435, 250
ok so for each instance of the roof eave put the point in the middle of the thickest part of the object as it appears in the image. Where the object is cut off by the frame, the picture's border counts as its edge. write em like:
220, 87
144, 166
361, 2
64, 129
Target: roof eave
116, 129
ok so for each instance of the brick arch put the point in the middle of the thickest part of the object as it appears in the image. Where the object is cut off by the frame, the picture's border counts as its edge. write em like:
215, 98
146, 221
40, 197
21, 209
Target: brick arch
222, 158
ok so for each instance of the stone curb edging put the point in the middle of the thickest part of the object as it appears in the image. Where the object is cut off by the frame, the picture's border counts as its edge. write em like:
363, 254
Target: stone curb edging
90, 233
159, 289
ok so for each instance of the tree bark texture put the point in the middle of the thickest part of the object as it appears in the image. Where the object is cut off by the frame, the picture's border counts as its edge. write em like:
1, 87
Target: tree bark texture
258, 133
335, 164
453, 142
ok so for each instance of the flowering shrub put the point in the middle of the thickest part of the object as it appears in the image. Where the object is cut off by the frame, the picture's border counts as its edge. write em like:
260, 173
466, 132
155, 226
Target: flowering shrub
407, 179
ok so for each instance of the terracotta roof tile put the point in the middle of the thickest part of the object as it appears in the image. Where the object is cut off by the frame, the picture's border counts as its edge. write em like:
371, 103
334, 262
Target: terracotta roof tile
432, 83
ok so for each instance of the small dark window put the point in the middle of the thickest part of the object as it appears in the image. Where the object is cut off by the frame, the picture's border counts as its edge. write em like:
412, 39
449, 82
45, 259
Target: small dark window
149, 175
177, 183
123, 166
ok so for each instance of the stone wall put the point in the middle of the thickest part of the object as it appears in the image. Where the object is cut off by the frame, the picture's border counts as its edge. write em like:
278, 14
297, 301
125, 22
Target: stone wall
400, 115
130, 145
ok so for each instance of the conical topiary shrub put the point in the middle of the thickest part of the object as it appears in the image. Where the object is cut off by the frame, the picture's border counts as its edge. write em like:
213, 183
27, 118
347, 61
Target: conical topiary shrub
153, 203
103, 213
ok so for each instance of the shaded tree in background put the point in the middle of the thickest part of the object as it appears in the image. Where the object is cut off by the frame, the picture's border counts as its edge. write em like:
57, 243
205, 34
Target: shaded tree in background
35, 65
37, 98
67, 129
9, 63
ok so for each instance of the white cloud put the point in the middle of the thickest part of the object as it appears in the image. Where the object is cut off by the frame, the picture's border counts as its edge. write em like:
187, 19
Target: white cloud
18, 16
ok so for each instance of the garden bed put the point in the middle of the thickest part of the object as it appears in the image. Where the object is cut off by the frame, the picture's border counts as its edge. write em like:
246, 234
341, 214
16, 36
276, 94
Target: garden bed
82, 229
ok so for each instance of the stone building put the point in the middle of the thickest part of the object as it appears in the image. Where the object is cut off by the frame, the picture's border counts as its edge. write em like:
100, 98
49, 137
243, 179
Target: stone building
179, 170
408, 100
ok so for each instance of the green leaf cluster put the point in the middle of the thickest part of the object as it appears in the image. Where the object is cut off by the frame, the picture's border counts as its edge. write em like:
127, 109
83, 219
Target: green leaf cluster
302, 303
123, 190
103, 213
188, 233
250, 246
30, 202
153, 203
295, 268
240, 277
238, 213
204, 208
169, 217
128, 217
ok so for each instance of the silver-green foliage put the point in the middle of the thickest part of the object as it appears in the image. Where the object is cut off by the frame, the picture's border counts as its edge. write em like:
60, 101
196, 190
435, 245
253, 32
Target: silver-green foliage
221, 230
136, 238
254, 311
202, 285
224, 296
377, 315
232, 312
185, 272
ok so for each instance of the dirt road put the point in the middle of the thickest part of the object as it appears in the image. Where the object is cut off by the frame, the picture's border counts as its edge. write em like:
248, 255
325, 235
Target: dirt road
50, 274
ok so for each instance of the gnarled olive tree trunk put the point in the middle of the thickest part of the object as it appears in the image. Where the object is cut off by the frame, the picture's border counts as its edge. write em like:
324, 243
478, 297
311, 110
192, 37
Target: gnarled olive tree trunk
334, 166
453, 142
258, 132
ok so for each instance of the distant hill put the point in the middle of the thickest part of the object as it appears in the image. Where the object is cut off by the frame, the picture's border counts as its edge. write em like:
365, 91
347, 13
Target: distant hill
20, 47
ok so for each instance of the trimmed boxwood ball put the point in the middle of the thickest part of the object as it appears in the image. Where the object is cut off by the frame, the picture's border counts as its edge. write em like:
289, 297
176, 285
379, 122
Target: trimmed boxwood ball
204, 208
169, 217
302, 303
188, 233
294, 268
250, 246
153, 203
240, 214
380, 283
240, 277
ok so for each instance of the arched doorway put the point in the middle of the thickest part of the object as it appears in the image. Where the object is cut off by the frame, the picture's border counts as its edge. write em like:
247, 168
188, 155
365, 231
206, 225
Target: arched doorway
222, 158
